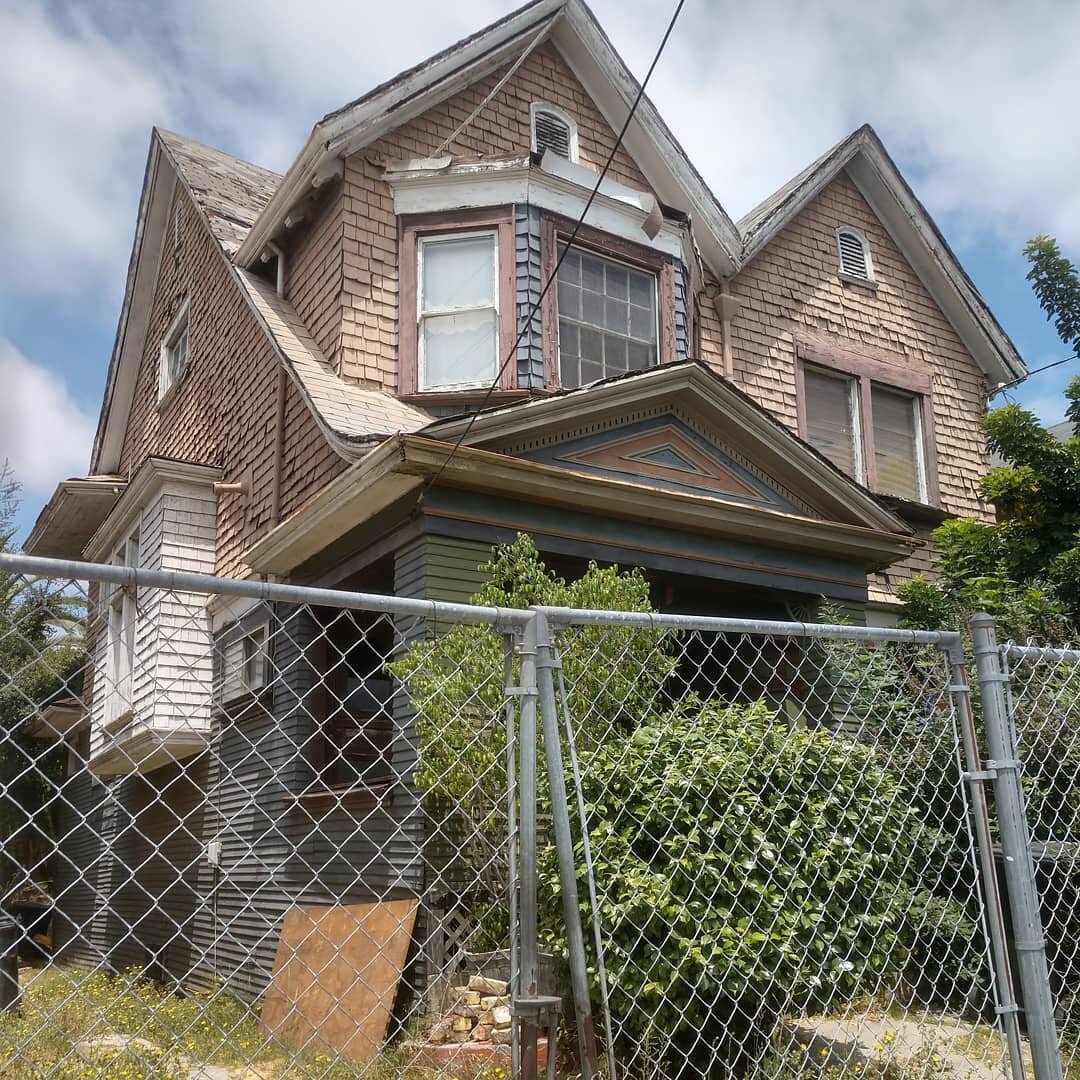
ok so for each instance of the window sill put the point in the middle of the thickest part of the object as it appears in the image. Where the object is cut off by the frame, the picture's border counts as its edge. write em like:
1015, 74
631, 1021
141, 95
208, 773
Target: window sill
358, 795
915, 511
169, 396
462, 397
864, 283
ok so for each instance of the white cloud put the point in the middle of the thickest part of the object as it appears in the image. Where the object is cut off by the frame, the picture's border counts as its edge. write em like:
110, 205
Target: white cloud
44, 434
975, 100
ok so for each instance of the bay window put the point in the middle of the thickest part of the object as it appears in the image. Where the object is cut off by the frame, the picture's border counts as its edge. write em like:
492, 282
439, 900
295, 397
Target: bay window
607, 317
872, 420
456, 323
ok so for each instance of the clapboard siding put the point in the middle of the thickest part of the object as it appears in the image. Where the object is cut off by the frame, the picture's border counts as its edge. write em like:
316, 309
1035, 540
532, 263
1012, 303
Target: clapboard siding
146, 838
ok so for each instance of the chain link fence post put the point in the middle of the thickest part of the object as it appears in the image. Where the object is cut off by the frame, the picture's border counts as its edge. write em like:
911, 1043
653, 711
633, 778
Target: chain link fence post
976, 776
529, 973
1027, 927
564, 845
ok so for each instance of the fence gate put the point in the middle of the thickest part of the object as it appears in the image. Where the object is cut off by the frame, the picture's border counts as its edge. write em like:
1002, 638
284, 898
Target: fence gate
776, 831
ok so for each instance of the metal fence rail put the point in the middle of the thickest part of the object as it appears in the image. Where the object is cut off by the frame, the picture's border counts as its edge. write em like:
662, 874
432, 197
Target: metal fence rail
262, 831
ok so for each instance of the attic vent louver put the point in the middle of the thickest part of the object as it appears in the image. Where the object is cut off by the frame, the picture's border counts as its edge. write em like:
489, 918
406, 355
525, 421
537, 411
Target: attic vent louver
854, 254
552, 130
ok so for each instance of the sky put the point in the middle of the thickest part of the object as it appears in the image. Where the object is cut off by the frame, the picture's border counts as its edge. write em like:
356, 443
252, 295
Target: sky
974, 100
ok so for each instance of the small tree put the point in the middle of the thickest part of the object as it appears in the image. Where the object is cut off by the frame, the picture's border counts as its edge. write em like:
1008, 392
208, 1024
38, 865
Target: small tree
456, 687
40, 649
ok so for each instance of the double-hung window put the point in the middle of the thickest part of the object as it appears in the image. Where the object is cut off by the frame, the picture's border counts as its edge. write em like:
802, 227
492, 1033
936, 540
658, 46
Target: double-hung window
174, 351
872, 420
607, 317
457, 310
123, 617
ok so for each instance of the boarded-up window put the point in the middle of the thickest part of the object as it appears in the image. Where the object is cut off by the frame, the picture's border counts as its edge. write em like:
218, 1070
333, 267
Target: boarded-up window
832, 418
897, 442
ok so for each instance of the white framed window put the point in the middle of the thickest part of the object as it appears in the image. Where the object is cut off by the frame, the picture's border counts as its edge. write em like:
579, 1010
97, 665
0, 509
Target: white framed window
853, 250
608, 321
832, 419
552, 129
253, 674
122, 631
175, 346
457, 300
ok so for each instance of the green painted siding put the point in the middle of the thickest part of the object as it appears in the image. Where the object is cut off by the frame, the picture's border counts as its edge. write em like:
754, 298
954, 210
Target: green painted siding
440, 568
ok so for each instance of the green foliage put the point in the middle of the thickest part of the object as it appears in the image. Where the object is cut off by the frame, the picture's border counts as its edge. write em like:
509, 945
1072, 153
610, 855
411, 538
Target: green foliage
1057, 287
455, 686
749, 870
40, 649
1025, 569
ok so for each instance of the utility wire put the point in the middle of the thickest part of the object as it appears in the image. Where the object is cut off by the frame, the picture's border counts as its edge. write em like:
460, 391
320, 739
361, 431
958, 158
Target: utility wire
1002, 387
535, 306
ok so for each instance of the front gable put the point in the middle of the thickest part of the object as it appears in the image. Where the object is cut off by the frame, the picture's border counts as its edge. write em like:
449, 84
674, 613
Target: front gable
671, 453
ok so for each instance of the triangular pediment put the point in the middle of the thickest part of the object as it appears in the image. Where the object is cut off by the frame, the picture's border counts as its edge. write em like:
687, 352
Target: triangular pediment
670, 452
679, 428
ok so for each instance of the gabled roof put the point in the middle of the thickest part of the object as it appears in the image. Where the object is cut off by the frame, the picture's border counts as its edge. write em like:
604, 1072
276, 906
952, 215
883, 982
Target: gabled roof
232, 193
866, 161
839, 518
574, 31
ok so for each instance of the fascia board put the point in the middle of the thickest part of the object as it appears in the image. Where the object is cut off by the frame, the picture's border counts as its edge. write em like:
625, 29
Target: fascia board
496, 473
600, 70
135, 312
693, 388
517, 183
353, 495
400, 102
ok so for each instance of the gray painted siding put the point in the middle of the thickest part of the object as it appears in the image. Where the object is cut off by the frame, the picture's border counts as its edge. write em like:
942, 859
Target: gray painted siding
682, 317
528, 285
143, 841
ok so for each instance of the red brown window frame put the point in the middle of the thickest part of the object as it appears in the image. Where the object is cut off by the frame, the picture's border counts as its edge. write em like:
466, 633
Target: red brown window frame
866, 372
410, 228
554, 229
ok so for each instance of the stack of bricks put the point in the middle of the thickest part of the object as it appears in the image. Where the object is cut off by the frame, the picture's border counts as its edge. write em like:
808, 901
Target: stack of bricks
479, 1012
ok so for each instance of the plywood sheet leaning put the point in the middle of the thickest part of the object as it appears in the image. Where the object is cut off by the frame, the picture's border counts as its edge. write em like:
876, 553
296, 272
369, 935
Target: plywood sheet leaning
336, 974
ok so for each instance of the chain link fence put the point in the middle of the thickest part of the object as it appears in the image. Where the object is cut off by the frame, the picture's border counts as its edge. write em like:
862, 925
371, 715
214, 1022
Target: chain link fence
1044, 708
264, 831
782, 850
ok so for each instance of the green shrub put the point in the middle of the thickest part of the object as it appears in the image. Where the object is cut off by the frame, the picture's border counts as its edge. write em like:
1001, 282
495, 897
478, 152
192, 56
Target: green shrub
749, 870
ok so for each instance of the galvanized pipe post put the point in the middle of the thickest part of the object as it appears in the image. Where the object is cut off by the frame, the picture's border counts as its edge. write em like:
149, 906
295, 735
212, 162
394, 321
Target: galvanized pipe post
528, 927
1027, 926
1007, 1008
564, 846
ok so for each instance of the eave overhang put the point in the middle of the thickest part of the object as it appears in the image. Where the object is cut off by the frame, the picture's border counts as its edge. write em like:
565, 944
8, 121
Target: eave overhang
74, 512
57, 720
404, 464
692, 385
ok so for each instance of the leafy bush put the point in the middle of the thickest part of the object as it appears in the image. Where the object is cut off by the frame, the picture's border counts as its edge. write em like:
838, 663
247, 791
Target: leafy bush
455, 683
749, 869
